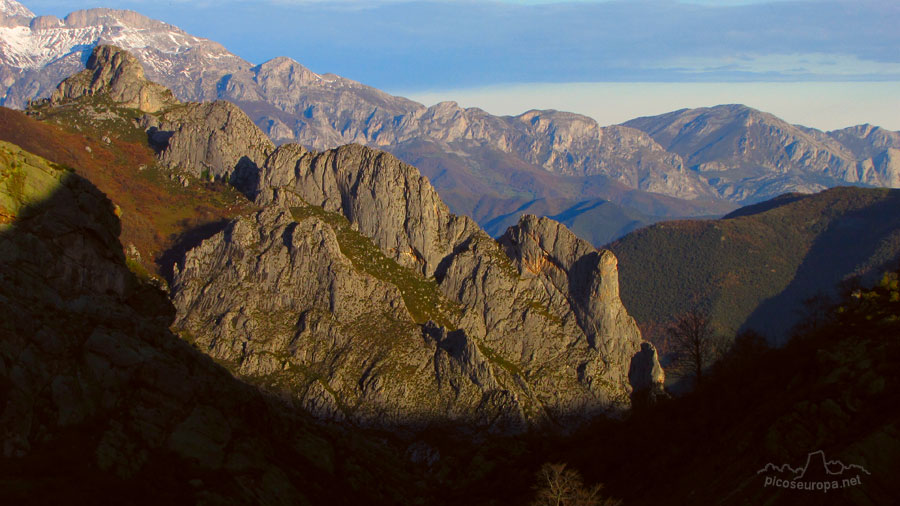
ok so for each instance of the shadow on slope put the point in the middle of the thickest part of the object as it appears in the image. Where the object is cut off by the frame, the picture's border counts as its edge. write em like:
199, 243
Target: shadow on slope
855, 248
100, 400
782, 252
833, 389
156, 211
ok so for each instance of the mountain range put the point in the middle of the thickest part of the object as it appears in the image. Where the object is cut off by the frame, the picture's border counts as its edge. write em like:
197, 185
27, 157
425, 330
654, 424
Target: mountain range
601, 181
193, 313
351, 287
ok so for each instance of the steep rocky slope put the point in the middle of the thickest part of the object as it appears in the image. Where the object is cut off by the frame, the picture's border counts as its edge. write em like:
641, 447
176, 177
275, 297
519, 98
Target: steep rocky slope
212, 139
39, 52
118, 75
358, 294
756, 267
518, 349
99, 398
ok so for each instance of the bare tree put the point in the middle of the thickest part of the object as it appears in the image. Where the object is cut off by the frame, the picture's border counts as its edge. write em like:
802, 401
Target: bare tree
694, 343
560, 486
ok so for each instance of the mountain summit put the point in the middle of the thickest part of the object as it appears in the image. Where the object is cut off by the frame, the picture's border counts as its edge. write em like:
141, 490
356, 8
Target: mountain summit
11, 8
116, 73
748, 155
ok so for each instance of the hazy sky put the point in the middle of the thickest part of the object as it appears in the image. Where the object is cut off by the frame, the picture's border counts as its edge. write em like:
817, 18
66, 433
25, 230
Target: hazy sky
456, 48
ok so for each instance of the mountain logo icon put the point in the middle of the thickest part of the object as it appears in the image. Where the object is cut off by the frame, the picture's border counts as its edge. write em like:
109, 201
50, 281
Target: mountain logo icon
817, 473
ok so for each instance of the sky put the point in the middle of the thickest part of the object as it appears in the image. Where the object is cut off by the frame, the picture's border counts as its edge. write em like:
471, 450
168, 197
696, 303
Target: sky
823, 63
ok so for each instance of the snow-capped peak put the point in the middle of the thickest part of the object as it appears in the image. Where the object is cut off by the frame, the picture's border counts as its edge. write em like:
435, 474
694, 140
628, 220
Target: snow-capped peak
13, 8
59, 47
32, 47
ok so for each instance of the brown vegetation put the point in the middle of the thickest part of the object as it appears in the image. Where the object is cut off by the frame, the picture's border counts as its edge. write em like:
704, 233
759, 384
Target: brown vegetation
156, 212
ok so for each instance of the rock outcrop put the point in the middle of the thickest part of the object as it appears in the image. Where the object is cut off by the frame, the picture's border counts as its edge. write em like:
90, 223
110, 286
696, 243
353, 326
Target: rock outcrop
561, 265
120, 75
96, 387
387, 200
646, 375
518, 348
359, 295
291, 310
213, 139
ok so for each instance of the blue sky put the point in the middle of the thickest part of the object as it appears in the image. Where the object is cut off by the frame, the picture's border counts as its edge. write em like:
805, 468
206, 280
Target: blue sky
447, 46
436, 44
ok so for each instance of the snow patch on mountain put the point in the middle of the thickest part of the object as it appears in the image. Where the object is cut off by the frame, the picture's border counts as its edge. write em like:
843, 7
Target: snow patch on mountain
22, 47
13, 8
27, 48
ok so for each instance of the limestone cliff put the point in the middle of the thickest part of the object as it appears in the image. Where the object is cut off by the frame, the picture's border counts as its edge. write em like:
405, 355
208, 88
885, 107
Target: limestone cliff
284, 299
553, 345
98, 394
118, 74
214, 139
357, 294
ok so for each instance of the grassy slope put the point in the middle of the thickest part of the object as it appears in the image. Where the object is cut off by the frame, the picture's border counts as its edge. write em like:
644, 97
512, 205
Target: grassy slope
755, 267
156, 212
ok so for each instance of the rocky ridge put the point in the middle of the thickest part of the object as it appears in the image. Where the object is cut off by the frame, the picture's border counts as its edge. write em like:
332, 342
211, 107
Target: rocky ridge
749, 156
215, 140
212, 139
357, 292
507, 349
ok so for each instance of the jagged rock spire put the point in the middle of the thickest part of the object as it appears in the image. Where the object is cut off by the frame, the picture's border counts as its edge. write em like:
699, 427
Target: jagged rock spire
115, 71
